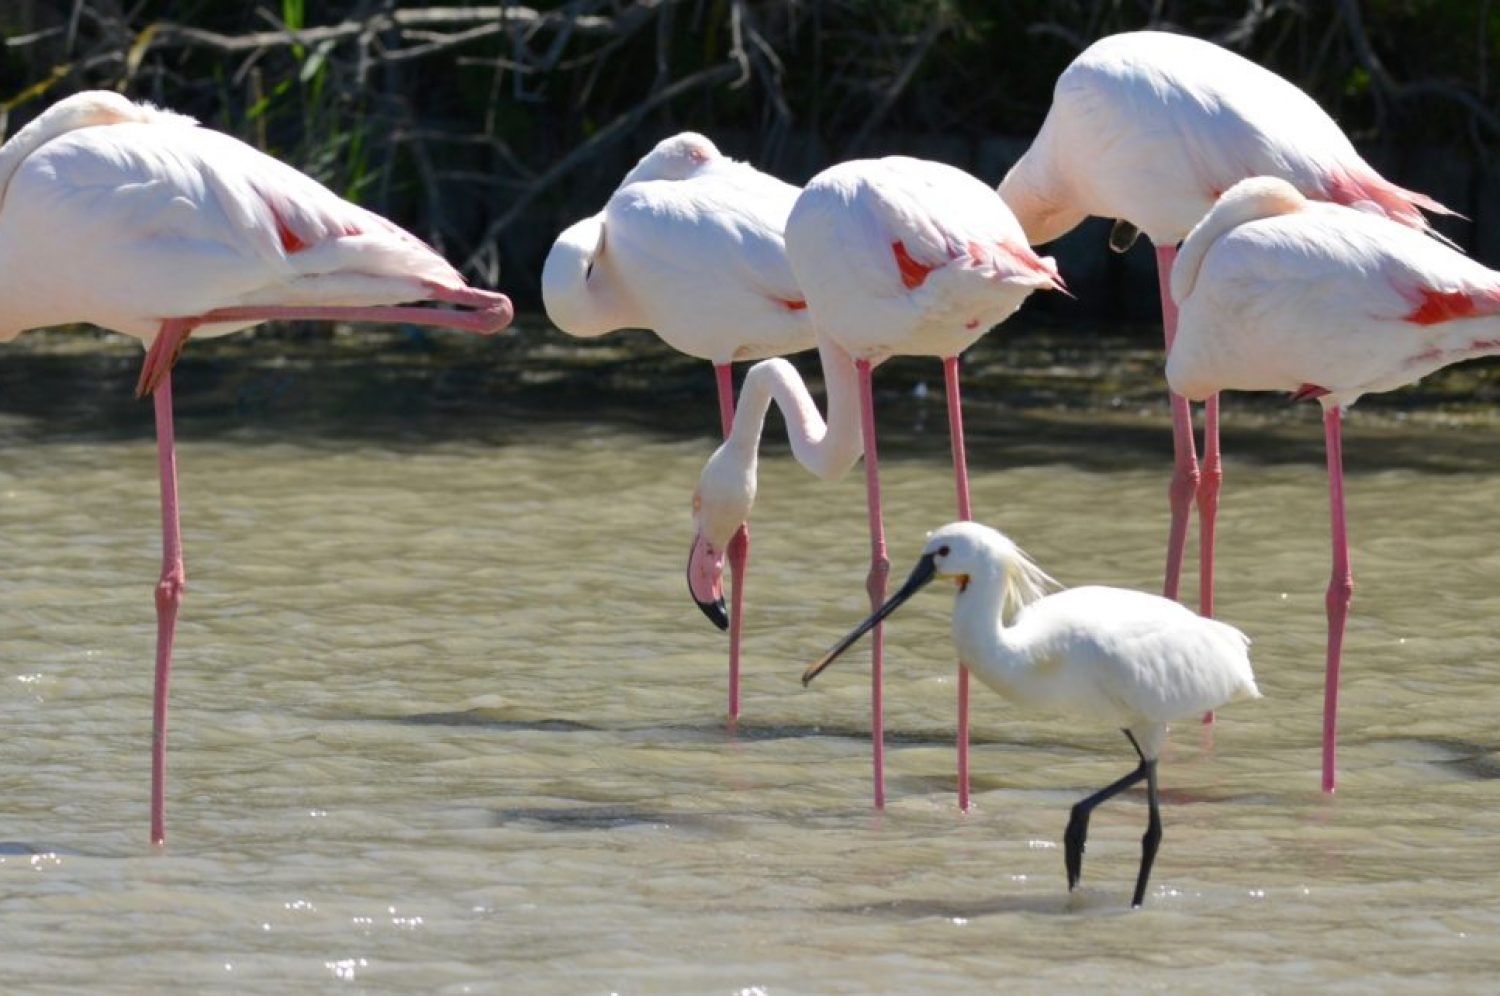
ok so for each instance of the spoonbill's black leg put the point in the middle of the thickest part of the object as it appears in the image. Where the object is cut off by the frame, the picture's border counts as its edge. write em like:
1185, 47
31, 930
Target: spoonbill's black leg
1078, 822
1152, 840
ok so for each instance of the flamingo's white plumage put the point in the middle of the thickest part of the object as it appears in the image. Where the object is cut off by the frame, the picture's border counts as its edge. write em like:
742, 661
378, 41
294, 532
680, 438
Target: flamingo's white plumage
691, 246
1280, 293
135, 219
894, 255
1150, 128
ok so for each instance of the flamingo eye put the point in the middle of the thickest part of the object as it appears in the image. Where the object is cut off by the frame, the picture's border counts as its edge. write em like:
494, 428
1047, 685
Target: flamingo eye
943, 551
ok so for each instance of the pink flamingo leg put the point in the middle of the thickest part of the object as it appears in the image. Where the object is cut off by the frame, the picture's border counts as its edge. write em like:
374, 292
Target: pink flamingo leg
1185, 474
490, 313
961, 485
1209, 484
880, 568
1340, 589
1208, 512
738, 552
168, 598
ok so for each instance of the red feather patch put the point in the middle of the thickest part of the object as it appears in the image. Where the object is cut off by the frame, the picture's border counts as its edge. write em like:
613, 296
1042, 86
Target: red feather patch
913, 274
291, 242
1442, 306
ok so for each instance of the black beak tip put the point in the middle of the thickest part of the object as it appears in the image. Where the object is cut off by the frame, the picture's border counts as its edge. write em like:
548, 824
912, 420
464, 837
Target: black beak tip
717, 614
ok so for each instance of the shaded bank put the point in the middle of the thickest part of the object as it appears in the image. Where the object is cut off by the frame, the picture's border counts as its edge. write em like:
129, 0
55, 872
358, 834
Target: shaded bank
1037, 394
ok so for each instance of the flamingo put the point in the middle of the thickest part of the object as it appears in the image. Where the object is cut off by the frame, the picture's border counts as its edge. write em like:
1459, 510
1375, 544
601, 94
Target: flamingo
690, 245
895, 255
1106, 655
135, 219
1150, 128
1280, 293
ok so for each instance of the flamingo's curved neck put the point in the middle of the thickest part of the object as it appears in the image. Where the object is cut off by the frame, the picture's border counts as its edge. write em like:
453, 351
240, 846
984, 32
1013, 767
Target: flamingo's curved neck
828, 449
1245, 202
1037, 190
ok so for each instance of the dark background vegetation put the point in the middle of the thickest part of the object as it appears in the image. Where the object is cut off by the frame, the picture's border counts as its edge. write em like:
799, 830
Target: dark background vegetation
485, 128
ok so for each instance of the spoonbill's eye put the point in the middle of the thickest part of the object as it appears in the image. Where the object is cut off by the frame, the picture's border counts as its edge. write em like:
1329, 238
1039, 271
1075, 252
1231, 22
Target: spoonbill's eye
943, 551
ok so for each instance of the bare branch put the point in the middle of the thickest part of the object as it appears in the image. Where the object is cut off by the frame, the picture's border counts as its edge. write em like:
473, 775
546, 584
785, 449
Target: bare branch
21, 41
899, 84
172, 35
1075, 40
1387, 90
620, 126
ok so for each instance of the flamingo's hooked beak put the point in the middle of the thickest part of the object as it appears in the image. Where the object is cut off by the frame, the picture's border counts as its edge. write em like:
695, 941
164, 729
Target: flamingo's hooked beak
923, 573
705, 577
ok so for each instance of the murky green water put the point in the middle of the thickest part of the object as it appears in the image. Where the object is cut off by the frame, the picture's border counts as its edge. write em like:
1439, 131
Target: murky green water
445, 720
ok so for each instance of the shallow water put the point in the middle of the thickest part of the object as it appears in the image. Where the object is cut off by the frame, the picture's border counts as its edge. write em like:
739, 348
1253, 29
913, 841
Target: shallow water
445, 720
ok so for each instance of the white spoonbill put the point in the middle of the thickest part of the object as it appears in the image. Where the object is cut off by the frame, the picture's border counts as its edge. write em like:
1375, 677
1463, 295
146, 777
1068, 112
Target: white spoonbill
1150, 128
136, 220
1280, 293
690, 245
894, 255
1105, 655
